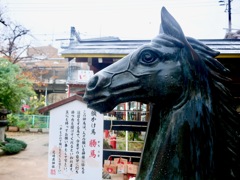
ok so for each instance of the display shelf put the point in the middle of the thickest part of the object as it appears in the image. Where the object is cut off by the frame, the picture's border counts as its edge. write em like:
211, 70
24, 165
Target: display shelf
134, 155
121, 125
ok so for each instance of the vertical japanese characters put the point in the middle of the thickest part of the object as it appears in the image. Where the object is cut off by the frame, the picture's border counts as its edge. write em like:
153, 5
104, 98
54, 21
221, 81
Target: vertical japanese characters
78, 145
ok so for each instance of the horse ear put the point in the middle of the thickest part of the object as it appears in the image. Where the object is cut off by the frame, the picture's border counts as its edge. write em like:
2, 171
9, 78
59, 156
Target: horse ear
170, 26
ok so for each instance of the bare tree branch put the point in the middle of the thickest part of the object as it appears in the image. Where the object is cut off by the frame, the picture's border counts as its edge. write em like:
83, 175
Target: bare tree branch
19, 57
2, 16
3, 22
12, 42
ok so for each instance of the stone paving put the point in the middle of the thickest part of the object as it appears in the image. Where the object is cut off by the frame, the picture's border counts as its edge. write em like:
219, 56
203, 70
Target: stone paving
30, 164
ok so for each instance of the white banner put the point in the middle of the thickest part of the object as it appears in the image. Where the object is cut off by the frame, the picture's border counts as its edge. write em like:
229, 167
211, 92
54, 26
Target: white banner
84, 75
75, 142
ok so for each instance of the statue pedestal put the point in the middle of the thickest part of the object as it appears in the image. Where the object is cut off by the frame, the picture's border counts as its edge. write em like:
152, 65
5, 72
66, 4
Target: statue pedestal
2, 132
3, 123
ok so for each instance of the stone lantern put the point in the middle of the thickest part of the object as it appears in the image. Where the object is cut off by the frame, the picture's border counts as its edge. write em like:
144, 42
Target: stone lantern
3, 122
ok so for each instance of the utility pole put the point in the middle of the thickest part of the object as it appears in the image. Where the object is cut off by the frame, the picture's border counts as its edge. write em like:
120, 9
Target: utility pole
228, 8
229, 17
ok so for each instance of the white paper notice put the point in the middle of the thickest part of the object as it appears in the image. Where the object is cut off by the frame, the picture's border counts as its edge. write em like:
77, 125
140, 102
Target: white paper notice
75, 142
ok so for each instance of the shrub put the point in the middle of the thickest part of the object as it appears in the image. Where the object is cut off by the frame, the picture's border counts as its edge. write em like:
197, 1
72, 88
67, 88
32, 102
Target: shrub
43, 125
12, 148
22, 124
12, 120
15, 141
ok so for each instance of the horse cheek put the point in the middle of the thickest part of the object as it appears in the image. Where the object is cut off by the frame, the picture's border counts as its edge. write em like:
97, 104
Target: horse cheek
170, 85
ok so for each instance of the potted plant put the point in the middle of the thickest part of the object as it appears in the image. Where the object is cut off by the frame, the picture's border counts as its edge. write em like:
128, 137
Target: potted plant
34, 126
12, 123
44, 128
22, 125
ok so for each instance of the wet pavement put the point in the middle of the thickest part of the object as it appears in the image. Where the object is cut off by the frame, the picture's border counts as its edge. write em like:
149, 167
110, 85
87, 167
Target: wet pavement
30, 164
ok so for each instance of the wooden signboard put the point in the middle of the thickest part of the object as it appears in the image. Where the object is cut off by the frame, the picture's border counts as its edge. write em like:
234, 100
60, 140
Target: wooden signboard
75, 142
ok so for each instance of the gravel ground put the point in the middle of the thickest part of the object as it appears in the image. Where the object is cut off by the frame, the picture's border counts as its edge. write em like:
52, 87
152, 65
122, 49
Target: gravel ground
30, 164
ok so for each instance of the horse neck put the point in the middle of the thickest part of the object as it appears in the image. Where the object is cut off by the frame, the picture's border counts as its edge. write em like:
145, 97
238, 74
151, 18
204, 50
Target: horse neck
174, 138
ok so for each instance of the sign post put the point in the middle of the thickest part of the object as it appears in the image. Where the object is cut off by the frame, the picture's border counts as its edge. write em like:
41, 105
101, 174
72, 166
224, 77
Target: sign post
75, 142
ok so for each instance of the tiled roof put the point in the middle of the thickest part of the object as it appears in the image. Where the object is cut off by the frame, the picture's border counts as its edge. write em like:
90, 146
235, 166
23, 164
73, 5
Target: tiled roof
121, 47
104, 47
60, 103
224, 46
43, 52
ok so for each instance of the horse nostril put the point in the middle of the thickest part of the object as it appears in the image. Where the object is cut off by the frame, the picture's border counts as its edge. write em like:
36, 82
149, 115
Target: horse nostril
93, 82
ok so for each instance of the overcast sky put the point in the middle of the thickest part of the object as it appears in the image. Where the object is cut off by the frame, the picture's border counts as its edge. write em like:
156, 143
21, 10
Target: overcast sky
49, 20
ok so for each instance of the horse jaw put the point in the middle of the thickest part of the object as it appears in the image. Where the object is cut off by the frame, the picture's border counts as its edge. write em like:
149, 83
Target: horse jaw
111, 86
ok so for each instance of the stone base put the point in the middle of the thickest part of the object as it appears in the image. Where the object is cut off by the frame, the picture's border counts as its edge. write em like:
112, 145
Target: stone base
2, 133
33, 129
12, 128
22, 129
45, 130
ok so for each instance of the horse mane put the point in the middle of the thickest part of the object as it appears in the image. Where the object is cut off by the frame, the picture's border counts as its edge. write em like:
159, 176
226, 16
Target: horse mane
212, 128
225, 117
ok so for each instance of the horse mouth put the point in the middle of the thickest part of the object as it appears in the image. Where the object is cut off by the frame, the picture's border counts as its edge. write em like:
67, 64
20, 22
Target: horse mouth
106, 103
104, 99
95, 101
125, 87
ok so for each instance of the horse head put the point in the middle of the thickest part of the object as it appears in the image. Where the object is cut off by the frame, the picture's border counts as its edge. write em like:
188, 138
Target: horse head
132, 77
193, 123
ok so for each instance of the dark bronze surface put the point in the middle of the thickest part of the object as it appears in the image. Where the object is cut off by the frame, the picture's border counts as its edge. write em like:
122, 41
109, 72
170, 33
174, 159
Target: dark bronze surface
194, 128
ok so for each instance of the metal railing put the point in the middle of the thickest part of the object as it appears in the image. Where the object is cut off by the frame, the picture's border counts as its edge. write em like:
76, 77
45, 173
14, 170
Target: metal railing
39, 121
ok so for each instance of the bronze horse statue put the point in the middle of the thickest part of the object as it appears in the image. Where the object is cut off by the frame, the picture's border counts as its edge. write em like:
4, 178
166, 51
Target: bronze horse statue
194, 128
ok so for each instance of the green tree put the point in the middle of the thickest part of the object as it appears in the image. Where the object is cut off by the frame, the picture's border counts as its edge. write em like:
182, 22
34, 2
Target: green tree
35, 103
14, 86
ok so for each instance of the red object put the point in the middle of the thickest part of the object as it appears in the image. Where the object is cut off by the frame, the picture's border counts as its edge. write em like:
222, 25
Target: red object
130, 176
25, 107
106, 134
113, 142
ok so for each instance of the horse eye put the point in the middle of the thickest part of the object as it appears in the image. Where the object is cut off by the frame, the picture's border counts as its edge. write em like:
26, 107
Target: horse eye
148, 56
